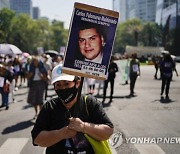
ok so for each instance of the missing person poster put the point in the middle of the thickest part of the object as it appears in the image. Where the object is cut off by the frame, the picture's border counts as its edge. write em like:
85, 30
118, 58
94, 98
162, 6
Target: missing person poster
90, 42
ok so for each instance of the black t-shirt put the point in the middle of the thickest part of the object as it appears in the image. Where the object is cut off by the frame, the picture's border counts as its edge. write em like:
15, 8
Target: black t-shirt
54, 116
113, 68
167, 68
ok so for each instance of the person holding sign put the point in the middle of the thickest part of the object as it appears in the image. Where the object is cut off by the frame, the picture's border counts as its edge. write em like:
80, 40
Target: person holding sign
91, 42
64, 120
134, 72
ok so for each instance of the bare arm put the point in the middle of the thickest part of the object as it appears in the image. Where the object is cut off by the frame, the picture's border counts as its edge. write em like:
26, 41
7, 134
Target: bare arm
97, 131
49, 138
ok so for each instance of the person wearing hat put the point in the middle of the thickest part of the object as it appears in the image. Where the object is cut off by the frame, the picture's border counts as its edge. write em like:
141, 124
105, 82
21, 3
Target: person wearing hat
167, 67
63, 120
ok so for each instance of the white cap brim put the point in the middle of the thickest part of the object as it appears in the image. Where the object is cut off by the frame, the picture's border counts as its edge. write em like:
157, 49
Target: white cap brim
63, 76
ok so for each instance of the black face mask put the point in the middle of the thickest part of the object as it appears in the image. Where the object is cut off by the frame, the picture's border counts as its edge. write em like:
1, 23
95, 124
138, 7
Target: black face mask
67, 95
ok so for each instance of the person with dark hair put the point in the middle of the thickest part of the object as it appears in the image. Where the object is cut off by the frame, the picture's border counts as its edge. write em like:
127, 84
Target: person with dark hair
167, 67
37, 76
113, 68
65, 119
134, 72
91, 41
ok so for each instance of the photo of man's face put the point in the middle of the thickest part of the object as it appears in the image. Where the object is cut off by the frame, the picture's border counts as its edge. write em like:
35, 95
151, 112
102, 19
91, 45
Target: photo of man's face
90, 43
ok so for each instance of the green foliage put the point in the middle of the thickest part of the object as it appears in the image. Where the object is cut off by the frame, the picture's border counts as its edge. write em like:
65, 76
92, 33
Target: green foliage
6, 17
23, 32
59, 36
127, 34
151, 34
44, 39
28, 34
134, 32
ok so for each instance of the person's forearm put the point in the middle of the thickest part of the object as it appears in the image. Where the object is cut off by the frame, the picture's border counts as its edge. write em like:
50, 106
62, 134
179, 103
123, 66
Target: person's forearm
49, 138
99, 132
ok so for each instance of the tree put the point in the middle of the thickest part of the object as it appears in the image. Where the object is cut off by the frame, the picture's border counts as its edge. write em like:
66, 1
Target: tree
28, 34
25, 33
127, 34
151, 34
6, 17
59, 36
45, 33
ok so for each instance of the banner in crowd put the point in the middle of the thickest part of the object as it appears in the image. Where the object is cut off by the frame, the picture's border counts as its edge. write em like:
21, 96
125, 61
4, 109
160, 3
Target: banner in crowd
90, 42
123, 66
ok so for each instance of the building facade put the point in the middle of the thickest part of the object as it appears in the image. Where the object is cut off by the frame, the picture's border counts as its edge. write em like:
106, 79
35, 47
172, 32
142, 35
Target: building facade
36, 13
142, 9
4, 4
22, 6
120, 6
168, 12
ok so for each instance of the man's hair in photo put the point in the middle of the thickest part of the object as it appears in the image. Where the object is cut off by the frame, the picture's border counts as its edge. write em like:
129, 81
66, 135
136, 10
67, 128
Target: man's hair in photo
99, 28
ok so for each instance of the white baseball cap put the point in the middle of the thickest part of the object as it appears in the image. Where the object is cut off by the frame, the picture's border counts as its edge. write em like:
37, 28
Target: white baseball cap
57, 75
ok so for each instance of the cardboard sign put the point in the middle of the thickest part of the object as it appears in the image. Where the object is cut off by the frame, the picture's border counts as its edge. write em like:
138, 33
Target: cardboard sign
90, 43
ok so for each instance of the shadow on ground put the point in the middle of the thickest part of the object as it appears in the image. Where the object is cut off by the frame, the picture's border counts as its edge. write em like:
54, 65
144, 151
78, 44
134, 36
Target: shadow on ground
117, 97
18, 127
27, 106
164, 100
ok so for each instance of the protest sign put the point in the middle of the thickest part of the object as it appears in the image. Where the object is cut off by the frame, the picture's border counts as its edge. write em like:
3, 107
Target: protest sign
123, 66
90, 42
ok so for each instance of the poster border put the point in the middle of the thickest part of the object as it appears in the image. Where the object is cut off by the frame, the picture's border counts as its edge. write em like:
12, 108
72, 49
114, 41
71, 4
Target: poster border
79, 73
96, 10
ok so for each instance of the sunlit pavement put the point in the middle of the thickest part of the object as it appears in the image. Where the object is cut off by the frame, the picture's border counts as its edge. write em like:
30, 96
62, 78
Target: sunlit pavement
145, 115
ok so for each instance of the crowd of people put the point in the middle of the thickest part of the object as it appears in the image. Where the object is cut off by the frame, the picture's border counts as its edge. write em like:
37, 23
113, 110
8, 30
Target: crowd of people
165, 64
32, 71
65, 122
35, 72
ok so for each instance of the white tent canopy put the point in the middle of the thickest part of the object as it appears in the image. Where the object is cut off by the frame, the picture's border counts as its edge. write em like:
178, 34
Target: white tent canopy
144, 51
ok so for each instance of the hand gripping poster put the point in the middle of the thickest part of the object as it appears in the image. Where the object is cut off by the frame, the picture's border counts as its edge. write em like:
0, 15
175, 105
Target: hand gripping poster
90, 42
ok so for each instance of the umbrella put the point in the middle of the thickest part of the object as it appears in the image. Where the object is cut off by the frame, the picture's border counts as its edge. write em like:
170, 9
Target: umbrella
52, 53
9, 49
25, 54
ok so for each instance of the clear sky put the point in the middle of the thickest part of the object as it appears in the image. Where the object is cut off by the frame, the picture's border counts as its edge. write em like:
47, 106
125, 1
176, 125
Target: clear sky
62, 9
